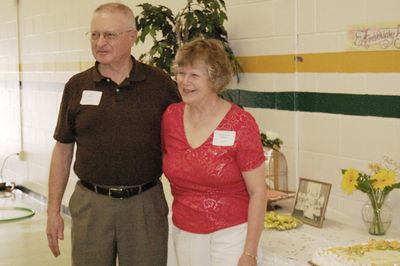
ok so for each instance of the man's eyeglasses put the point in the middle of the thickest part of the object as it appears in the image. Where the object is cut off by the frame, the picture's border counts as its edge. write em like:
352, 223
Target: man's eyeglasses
108, 35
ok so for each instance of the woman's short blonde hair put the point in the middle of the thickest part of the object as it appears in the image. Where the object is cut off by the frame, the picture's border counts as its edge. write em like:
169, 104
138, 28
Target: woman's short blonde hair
212, 53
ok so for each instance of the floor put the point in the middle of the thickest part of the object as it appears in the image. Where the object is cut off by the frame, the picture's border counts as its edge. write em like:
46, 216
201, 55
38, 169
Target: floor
23, 242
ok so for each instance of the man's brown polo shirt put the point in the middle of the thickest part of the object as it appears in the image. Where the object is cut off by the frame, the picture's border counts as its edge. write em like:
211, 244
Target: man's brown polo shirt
118, 139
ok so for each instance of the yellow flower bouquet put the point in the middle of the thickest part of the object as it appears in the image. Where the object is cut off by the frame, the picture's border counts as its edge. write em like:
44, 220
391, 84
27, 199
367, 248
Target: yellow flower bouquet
377, 185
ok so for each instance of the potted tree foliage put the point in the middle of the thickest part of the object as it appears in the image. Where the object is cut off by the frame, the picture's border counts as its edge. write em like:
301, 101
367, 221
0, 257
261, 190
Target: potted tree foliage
168, 31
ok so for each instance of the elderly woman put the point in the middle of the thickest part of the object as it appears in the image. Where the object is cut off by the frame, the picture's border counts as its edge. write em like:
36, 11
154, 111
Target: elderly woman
214, 160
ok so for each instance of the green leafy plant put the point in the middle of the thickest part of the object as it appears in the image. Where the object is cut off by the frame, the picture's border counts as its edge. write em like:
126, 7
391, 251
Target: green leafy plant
270, 140
199, 18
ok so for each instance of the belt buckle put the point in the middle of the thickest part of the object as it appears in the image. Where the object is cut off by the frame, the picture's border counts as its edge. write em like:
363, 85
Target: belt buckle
111, 189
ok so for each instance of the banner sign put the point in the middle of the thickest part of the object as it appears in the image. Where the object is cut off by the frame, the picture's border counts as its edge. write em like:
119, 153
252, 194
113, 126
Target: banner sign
384, 36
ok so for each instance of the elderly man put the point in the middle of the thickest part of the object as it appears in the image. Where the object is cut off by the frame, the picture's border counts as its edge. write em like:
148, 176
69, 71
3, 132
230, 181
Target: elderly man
112, 112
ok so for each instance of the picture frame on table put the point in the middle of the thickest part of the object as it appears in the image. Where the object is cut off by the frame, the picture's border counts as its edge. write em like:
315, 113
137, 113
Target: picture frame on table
311, 201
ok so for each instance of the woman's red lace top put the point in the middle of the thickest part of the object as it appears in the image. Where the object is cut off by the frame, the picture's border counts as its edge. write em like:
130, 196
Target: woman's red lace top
206, 182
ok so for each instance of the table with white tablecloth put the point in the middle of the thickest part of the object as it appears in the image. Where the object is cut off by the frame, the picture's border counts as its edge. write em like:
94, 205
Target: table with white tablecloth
296, 246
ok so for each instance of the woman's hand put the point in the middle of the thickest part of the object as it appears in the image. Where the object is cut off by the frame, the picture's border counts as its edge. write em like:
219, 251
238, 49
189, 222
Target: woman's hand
255, 184
247, 260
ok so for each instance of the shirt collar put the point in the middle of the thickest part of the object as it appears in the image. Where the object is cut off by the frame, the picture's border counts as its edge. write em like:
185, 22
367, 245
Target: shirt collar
136, 74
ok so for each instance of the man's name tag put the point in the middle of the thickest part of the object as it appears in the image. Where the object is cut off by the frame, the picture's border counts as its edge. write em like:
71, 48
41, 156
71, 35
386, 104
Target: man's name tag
224, 138
91, 97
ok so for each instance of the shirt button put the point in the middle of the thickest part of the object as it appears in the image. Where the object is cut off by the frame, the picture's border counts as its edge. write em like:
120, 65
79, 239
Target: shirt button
108, 80
117, 90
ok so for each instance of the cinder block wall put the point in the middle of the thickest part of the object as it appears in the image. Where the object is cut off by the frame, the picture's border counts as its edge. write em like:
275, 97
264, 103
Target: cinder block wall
335, 107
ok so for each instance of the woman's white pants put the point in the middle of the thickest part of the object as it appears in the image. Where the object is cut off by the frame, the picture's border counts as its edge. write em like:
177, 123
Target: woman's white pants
221, 248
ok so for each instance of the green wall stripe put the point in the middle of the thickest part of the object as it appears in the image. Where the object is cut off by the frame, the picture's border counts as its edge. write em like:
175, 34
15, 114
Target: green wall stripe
333, 103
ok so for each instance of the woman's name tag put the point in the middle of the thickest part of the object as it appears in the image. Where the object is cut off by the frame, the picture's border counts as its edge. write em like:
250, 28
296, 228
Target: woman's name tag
223, 138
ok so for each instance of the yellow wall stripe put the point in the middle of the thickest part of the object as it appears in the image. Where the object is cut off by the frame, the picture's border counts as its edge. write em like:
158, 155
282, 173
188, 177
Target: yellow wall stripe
49, 66
342, 62
267, 64
339, 62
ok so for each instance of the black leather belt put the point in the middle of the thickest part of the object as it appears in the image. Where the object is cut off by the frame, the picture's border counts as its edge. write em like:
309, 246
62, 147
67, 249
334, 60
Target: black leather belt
120, 192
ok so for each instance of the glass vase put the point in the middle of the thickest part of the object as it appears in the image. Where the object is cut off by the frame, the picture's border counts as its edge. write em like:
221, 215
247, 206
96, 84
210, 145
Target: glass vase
377, 220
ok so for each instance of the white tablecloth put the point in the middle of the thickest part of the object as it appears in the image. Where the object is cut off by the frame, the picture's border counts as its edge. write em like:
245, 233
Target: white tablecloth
295, 247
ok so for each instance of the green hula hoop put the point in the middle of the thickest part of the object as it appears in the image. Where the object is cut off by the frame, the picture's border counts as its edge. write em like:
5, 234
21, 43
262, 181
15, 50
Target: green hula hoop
29, 213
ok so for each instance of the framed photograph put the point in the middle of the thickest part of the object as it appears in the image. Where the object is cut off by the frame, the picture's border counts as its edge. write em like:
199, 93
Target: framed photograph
311, 201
